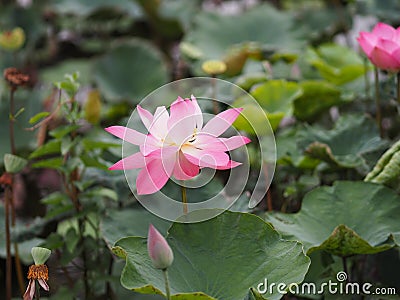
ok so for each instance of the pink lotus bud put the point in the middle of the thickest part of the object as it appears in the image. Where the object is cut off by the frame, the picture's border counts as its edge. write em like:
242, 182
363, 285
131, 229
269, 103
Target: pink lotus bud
159, 251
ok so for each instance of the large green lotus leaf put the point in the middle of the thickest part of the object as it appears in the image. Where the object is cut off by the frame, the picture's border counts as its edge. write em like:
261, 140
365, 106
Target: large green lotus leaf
130, 71
387, 169
277, 95
335, 63
215, 35
56, 73
252, 119
275, 119
86, 7
166, 17
254, 295
179, 9
320, 21
289, 152
130, 222
348, 218
249, 79
223, 257
346, 145
324, 267
317, 97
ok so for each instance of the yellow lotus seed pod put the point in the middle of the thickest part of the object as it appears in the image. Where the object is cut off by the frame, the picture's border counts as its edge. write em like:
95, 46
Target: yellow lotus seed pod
12, 40
214, 67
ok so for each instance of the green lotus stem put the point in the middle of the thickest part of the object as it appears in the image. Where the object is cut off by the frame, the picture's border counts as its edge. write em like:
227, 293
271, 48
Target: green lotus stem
367, 87
398, 87
184, 199
214, 94
167, 290
11, 122
378, 102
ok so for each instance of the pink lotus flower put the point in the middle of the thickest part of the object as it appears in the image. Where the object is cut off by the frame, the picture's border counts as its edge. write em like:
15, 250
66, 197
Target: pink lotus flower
178, 144
382, 46
159, 251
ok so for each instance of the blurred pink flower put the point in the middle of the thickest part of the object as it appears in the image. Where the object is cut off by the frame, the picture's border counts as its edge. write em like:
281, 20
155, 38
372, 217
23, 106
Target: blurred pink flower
178, 144
382, 46
159, 251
